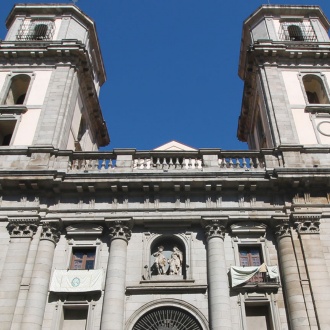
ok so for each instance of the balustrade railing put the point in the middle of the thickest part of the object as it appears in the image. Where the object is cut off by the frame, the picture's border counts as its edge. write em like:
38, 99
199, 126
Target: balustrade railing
249, 160
86, 161
168, 163
107, 161
131, 160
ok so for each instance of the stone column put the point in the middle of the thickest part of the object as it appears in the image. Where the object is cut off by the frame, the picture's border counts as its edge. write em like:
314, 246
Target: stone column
308, 230
218, 286
290, 276
114, 295
21, 232
38, 291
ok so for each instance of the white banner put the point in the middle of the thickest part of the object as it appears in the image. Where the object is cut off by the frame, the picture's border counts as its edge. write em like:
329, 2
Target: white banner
77, 280
240, 274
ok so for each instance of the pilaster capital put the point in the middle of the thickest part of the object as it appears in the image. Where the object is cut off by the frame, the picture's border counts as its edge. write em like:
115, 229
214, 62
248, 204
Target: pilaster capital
120, 229
50, 231
22, 227
307, 224
214, 227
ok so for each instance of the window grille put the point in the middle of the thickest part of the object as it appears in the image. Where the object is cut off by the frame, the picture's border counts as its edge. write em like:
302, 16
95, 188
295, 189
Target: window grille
36, 30
296, 31
167, 318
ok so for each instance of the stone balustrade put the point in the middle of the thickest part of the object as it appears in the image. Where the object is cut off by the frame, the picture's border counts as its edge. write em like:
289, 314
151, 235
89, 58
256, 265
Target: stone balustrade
172, 162
249, 161
131, 160
92, 161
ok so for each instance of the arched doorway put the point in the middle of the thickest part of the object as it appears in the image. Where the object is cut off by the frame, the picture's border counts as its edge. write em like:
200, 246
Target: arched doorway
167, 318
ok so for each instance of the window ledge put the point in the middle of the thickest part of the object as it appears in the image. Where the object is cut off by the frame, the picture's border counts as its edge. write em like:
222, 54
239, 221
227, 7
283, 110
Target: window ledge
325, 108
260, 286
12, 109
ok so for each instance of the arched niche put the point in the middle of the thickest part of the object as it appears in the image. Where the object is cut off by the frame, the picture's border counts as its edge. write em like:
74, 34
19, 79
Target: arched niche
18, 88
315, 89
168, 258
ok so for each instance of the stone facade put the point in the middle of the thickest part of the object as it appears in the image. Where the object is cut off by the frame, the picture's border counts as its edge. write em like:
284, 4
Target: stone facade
171, 238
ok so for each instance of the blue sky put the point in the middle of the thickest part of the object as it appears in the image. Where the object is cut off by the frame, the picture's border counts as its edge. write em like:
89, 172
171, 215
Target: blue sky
171, 68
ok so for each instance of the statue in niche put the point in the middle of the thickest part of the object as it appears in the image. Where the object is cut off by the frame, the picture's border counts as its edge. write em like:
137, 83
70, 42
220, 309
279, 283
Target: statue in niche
175, 262
160, 261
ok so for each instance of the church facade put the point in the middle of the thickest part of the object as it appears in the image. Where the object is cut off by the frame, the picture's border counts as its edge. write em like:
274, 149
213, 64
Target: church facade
174, 238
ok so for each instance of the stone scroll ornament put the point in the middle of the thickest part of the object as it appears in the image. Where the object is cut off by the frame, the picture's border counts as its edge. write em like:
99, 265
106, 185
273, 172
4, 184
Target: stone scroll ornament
120, 230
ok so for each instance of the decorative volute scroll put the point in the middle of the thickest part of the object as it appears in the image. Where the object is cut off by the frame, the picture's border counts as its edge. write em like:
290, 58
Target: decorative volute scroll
307, 224
120, 230
214, 228
50, 231
22, 227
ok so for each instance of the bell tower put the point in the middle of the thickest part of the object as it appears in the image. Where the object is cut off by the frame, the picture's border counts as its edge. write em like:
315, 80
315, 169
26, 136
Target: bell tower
51, 71
284, 62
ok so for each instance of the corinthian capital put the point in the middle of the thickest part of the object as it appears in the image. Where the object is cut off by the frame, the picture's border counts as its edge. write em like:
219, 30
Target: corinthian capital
120, 230
22, 227
282, 230
214, 228
50, 231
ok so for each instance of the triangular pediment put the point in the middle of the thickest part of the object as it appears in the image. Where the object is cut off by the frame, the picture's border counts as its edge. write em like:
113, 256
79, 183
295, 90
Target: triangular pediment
174, 146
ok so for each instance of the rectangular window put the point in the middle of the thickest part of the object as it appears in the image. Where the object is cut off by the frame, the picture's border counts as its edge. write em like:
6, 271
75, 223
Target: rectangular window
75, 318
83, 258
261, 133
258, 317
6, 131
250, 255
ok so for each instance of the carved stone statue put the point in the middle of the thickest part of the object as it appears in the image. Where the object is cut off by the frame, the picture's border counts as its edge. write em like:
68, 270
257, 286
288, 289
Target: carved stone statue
175, 262
160, 261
